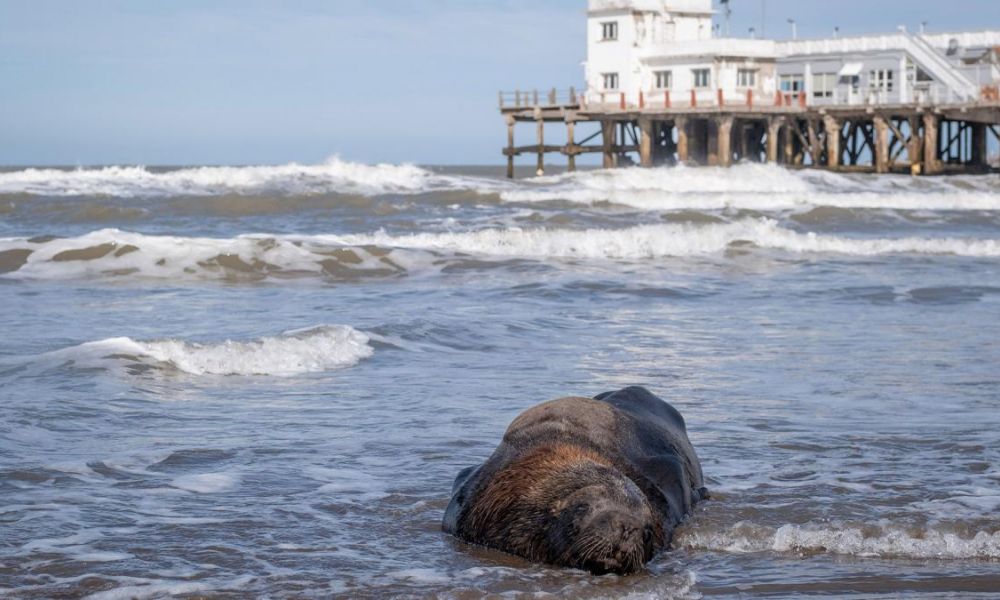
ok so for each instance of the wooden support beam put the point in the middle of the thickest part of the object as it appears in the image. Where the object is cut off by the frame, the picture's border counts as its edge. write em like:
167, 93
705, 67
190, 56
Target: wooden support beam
853, 153
773, 133
683, 149
608, 130
791, 126
898, 144
570, 142
724, 147
932, 158
740, 147
646, 142
833, 128
533, 149
711, 142
815, 146
541, 148
510, 147
915, 146
979, 146
881, 144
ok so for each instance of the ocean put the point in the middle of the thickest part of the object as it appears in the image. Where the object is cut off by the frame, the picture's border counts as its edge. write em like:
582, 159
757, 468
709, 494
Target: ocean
235, 382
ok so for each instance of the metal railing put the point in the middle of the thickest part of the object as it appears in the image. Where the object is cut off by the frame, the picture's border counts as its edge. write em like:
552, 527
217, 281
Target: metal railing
697, 98
534, 99
926, 95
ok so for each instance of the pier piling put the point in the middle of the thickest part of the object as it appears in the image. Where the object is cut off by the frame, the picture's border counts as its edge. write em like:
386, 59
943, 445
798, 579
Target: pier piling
911, 138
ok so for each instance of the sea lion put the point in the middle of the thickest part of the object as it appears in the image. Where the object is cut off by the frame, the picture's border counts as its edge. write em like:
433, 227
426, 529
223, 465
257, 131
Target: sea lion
594, 484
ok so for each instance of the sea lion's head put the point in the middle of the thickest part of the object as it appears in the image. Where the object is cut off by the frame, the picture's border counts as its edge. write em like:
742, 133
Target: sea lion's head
605, 525
564, 505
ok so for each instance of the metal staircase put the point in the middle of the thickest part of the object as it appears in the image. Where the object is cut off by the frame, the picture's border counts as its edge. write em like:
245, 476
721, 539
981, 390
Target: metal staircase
938, 67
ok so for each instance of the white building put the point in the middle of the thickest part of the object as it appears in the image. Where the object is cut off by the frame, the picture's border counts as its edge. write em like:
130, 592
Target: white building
659, 51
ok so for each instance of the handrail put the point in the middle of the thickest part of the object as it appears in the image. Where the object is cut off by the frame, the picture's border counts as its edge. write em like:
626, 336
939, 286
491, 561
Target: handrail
922, 51
535, 99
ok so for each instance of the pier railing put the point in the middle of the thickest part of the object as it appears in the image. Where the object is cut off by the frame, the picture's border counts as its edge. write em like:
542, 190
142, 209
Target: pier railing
653, 99
705, 98
610, 101
540, 99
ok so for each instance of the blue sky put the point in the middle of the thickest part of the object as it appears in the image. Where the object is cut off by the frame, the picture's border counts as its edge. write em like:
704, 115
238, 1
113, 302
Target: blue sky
249, 82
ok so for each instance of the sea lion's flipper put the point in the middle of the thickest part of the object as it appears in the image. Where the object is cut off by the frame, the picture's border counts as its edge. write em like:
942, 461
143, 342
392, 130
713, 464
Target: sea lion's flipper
463, 476
459, 492
667, 473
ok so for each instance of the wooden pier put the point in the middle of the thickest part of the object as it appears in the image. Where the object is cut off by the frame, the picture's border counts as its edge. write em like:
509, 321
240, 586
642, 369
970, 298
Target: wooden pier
919, 139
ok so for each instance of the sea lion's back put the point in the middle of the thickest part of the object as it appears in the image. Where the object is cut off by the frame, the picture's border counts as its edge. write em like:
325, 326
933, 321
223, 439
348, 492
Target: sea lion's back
662, 451
642, 403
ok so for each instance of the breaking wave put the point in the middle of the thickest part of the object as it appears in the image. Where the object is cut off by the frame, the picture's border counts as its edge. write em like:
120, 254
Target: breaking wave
743, 187
334, 175
656, 241
114, 253
311, 350
759, 187
868, 541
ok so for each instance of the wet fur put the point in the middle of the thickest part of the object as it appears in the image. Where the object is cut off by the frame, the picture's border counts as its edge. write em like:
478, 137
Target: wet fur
597, 484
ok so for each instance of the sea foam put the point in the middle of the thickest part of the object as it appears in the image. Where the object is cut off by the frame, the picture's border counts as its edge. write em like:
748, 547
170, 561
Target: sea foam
742, 187
664, 240
758, 187
334, 175
311, 350
869, 540
113, 253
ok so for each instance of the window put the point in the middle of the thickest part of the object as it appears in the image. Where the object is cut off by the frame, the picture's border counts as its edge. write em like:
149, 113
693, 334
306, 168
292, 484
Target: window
702, 78
746, 78
664, 80
791, 83
610, 81
880, 79
609, 31
823, 85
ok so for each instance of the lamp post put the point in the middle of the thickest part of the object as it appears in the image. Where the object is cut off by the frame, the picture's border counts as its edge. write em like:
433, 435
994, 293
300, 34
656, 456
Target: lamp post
795, 29
729, 14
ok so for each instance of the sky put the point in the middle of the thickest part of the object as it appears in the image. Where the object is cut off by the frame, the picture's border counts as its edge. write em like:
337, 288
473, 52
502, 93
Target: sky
185, 82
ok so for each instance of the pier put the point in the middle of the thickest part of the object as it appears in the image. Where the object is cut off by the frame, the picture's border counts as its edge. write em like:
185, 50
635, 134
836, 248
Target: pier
662, 87
655, 129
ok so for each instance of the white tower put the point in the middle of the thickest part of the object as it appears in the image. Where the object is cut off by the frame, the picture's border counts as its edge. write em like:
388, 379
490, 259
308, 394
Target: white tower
621, 32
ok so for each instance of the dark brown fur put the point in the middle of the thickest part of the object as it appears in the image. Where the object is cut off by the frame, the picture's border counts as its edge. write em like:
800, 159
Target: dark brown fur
596, 484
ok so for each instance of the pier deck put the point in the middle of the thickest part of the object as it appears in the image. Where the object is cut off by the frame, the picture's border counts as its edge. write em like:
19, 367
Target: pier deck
916, 138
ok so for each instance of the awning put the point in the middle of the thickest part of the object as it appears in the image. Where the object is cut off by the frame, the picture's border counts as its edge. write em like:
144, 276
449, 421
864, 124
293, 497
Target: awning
851, 70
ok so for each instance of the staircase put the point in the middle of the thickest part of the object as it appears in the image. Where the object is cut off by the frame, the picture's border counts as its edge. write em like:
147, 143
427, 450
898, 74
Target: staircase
938, 67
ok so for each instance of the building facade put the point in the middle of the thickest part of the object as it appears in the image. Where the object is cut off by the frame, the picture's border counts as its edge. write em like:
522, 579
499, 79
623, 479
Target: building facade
667, 51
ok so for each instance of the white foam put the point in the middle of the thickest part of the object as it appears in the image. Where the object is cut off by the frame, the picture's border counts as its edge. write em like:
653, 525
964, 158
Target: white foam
745, 186
345, 482
206, 483
758, 187
334, 175
150, 590
318, 349
870, 541
121, 253
262, 256
655, 241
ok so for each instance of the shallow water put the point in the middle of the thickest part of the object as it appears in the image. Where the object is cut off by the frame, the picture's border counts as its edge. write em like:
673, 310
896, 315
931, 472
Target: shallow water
261, 381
